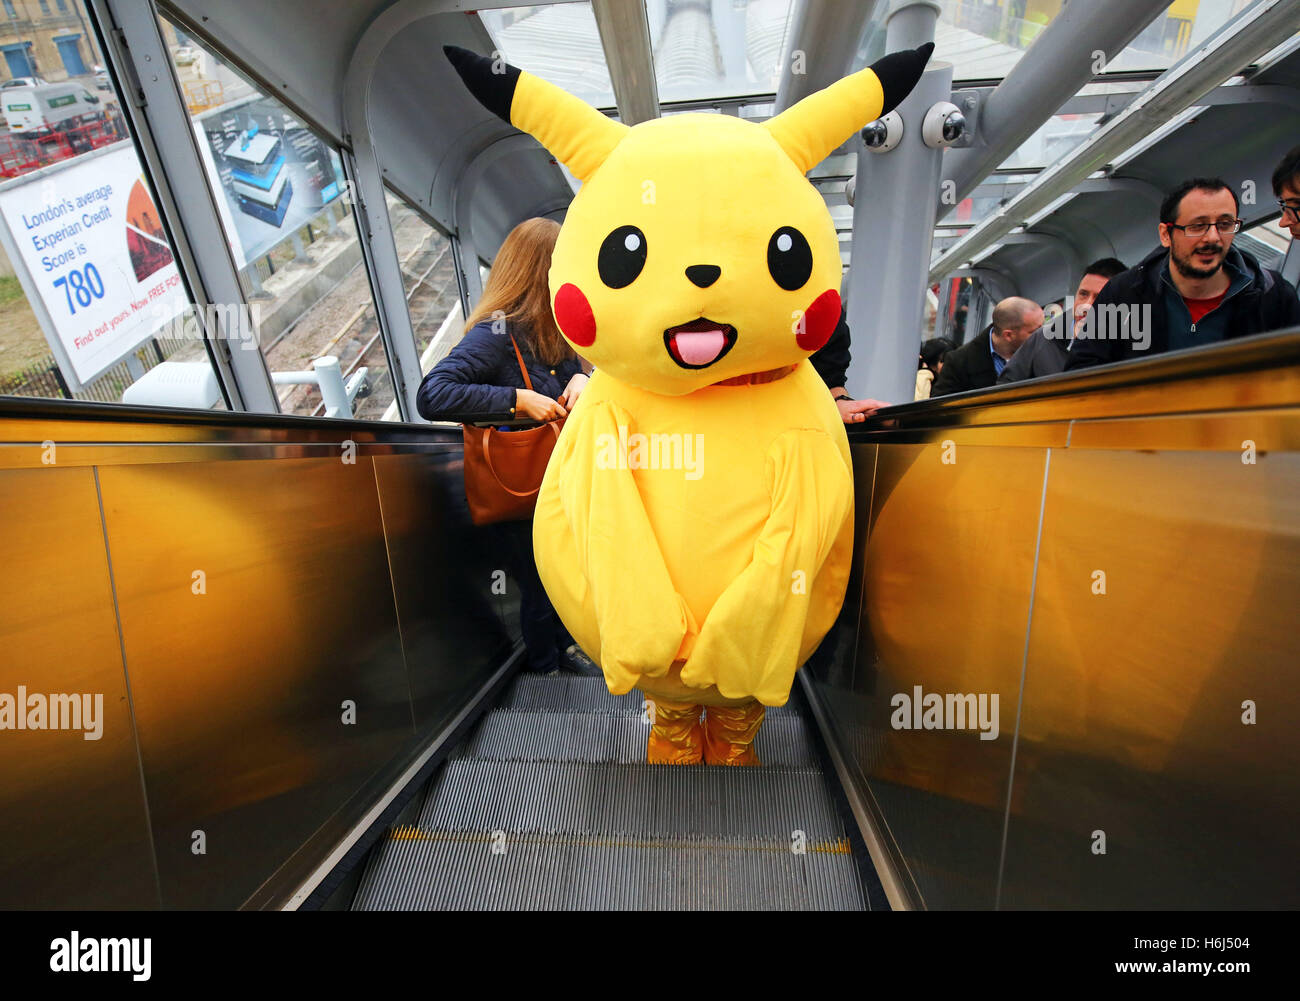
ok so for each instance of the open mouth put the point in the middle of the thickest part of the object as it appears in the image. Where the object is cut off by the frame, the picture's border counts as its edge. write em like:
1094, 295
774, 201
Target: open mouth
700, 343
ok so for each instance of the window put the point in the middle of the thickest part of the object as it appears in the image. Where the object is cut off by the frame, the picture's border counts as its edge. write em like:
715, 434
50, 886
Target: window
287, 213
9, 8
45, 7
429, 278
92, 304
557, 42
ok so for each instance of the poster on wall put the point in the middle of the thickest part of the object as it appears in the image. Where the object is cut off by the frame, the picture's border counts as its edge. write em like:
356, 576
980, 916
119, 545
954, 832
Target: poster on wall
87, 242
270, 171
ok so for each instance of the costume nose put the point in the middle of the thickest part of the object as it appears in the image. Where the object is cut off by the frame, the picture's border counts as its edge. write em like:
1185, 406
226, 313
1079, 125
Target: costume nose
703, 275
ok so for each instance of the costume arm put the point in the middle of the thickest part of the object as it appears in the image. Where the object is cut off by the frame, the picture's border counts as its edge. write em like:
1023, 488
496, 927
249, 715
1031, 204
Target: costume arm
749, 644
643, 622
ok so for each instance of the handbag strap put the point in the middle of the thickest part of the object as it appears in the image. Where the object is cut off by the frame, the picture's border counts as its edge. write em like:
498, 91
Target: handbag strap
487, 459
522, 367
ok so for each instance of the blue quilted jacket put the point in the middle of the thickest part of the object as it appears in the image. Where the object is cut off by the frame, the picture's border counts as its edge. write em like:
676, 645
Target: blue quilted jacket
481, 374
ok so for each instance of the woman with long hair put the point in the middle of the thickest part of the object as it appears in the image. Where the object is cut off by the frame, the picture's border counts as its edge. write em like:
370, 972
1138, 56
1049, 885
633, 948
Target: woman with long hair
481, 377
928, 365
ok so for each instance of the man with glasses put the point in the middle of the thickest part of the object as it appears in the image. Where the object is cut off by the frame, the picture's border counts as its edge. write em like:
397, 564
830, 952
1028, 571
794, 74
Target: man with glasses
1197, 289
1286, 185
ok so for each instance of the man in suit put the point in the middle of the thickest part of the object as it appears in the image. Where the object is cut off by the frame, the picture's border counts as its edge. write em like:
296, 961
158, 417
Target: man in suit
1046, 351
978, 363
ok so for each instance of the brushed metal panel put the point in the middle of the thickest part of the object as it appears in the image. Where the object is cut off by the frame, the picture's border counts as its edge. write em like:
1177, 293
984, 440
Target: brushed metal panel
1046, 434
1267, 430
74, 830
239, 690
832, 663
1132, 720
946, 596
455, 630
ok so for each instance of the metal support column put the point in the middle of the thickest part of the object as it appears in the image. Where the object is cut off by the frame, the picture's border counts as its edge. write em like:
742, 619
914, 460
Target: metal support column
893, 229
379, 249
151, 98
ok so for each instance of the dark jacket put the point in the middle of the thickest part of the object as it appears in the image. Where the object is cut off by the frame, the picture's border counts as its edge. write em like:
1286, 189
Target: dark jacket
1040, 355
480, 376
967, 367
831, 360
1262, 301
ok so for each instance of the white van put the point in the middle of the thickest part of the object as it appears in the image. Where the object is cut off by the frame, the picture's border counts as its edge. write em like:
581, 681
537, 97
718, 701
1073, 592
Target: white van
36, 110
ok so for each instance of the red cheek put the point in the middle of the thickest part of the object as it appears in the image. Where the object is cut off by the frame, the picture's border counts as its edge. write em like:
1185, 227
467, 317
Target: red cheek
819, 321
574, 316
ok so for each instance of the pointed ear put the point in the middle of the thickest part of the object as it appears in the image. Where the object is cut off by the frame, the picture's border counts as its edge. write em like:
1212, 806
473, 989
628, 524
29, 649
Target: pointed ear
579, 135
821, 121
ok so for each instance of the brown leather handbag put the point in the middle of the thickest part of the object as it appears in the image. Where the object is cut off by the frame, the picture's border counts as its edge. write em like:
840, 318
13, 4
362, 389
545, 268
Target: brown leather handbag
504, 469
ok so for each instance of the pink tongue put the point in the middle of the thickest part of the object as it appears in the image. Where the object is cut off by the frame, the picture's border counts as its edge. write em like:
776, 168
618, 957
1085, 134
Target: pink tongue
699, 347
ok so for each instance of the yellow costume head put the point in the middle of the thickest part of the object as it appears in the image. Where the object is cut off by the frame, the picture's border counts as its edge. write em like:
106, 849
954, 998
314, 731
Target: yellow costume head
696, 251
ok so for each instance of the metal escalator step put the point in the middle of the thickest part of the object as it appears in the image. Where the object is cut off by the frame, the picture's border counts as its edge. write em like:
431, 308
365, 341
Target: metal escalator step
567, 693
643, 801
516, 735
573, 693
415, 870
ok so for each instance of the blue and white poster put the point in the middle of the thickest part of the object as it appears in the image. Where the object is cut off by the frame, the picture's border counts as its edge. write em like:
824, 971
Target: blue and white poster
271, 173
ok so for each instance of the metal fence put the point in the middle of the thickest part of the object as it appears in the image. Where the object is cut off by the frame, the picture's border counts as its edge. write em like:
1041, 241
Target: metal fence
43, 378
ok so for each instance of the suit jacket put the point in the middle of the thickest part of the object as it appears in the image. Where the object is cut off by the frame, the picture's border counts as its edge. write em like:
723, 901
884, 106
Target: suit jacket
967, 367
1040, 355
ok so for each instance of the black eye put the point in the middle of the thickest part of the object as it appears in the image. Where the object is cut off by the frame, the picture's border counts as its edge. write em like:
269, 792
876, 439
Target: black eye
622, 256
789, 258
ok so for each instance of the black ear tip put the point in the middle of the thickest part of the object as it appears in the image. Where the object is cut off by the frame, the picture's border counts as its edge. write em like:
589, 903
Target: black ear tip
898, 73
492, 81
457, 56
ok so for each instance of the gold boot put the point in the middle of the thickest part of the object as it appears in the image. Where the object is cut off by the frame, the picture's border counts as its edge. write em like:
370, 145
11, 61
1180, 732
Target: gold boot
676, 736
729, 733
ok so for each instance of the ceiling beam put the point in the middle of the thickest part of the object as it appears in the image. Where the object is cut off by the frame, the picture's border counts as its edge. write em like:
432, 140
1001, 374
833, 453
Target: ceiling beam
824, 36
1220, 57
1061, 60
625, 37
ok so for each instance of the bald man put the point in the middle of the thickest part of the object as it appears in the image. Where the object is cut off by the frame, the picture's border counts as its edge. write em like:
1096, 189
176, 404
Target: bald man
978, 363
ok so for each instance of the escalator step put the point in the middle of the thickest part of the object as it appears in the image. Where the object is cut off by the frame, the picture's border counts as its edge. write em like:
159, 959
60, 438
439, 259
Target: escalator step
573, 693
415, 871
516, 735
643, 801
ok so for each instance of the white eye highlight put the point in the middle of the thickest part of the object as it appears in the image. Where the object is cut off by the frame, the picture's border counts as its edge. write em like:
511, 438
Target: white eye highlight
632, 242
784, 242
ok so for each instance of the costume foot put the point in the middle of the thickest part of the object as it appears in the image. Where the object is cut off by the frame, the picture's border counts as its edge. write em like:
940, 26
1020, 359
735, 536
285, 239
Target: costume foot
676, 735
729, 733
660, 751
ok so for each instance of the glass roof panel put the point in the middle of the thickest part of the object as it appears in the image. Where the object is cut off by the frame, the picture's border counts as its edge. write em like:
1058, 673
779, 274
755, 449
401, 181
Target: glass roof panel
982, 39
557, 42
1183, 26
992, 193
1053, 139
722, 49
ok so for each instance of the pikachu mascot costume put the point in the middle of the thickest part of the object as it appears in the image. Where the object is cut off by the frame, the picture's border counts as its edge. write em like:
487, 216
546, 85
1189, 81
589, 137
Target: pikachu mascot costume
695, 523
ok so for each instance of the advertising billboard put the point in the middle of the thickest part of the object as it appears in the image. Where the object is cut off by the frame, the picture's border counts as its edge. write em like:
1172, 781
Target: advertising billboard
87, 243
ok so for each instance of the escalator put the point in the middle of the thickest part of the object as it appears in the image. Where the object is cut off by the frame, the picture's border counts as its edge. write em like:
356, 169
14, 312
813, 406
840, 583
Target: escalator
334, 711
548, 804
